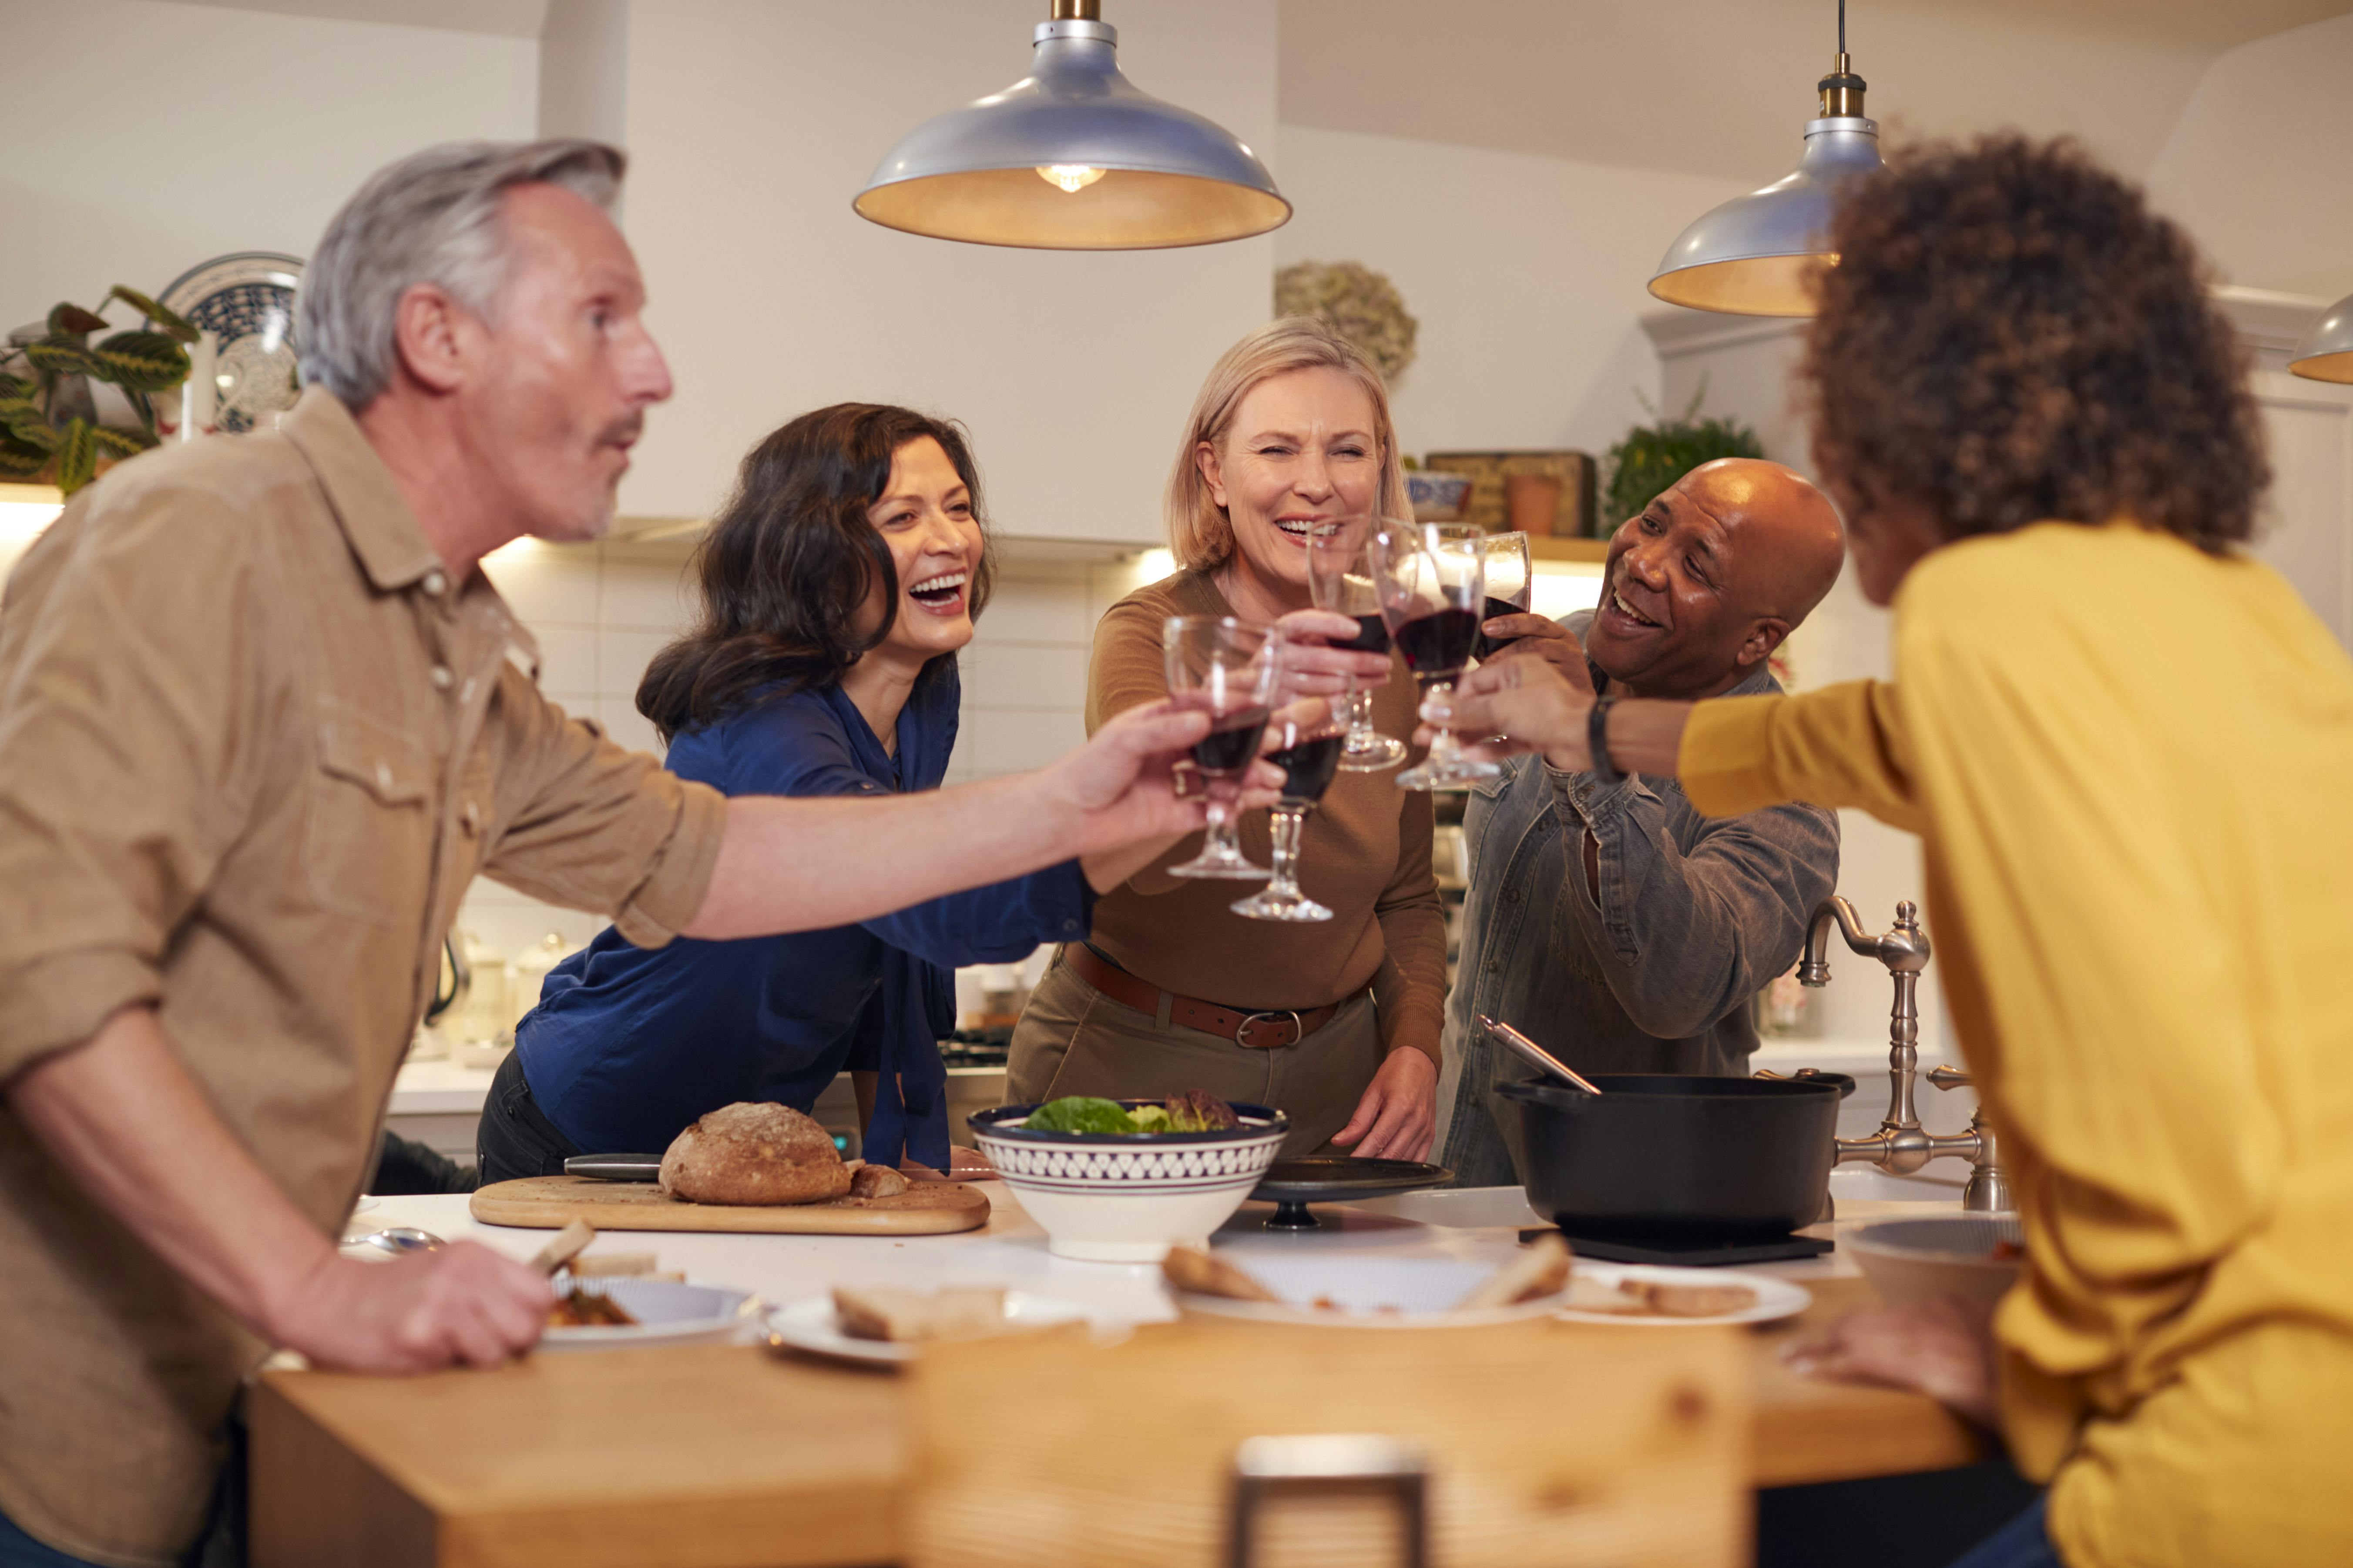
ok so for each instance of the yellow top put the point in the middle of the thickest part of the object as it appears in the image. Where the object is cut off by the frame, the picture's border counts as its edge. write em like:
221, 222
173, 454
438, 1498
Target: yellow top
2130, 764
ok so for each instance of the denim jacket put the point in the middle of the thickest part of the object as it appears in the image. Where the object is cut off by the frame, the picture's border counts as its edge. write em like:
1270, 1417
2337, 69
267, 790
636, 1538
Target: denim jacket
1696, 915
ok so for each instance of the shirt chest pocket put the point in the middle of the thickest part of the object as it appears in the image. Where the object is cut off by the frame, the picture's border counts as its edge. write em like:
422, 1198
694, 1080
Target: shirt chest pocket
368, 842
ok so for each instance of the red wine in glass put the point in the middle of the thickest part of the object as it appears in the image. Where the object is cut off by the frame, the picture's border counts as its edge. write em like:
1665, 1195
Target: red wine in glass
1488, 645
1308, 766
1231, 743
1372, 635
1309, 759
1438, 644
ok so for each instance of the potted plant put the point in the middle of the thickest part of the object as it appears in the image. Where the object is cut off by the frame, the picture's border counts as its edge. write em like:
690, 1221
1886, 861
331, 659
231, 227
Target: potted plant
1652, 456
49, 425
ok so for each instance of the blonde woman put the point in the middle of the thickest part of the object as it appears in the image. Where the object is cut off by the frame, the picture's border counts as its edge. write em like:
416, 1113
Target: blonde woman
1336, 1023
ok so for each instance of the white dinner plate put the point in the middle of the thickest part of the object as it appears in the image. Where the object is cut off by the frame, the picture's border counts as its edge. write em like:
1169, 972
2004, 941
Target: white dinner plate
1364, 1292
1776, 1298
813, 1326
668, 1312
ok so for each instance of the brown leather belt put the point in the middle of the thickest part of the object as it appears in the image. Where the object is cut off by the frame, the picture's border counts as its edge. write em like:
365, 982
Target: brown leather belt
1262, 1031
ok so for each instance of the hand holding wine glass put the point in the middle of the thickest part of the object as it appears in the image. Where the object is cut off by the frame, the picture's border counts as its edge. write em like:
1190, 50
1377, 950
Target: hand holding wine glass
1510, 582
1430, 580
1303, 737
1340, 580
1227, 668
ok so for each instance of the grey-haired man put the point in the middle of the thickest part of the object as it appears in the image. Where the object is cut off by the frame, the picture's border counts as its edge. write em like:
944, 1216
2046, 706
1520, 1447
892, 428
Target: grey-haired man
260, 724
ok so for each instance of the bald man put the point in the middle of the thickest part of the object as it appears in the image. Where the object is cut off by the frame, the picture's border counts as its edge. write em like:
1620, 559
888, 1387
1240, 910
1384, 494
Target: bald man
1611, 921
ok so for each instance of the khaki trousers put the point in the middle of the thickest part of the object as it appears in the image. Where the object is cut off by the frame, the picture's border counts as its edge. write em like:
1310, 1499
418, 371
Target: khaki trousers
1073, 1039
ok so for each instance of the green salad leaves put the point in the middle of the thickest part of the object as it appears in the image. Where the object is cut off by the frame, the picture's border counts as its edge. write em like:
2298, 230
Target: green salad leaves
1195, 1110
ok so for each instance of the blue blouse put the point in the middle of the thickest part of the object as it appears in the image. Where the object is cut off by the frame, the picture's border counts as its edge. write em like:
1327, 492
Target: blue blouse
627, 1046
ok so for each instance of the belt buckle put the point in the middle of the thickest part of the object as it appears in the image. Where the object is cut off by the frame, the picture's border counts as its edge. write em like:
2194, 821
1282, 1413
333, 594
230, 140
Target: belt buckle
1298, 1031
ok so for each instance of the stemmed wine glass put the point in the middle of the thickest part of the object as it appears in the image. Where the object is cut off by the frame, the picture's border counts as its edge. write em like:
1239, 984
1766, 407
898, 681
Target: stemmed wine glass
1509, 585
1305, 738
1227, 667
1431, 586
1340, 579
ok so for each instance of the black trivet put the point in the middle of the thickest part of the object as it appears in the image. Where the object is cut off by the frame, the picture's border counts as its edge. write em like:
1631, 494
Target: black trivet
1693, 1254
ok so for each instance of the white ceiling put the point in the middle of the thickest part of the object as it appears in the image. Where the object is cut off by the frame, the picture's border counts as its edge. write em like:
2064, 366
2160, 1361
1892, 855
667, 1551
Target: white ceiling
501, 18
1704, 87
1724, 86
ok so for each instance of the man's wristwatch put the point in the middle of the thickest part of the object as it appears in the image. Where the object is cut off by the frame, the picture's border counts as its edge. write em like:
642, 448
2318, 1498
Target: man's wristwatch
1596, 741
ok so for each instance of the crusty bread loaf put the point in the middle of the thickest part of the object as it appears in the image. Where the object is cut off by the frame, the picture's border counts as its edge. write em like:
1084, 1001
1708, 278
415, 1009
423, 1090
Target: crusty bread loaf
746, 1153
906, 1317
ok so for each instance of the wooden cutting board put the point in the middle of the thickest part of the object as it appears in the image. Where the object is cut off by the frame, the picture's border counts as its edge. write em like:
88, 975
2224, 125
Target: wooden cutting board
551, 1202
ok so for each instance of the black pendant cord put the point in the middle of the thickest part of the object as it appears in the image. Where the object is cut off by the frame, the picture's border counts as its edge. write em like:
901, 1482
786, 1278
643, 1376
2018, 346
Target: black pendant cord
1841, 27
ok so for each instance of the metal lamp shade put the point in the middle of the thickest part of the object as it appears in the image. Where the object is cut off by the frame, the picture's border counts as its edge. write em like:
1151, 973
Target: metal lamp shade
2325, 351
1758, 255
1167, 177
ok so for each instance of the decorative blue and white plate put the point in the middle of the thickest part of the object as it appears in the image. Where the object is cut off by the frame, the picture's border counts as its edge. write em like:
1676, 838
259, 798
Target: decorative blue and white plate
246, 301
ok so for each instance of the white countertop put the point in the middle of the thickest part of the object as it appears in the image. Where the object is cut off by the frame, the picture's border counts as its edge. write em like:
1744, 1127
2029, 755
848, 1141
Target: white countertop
440, 1088
1011, 1251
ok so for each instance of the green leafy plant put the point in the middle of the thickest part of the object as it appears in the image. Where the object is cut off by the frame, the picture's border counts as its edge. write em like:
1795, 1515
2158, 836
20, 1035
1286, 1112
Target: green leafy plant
1654, 457
49, 427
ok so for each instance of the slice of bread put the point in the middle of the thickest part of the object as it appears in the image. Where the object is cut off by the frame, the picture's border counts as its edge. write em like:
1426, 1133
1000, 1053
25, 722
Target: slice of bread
1204, 1274
1540, 1270
876, 1182
746, 1153
1697, 1301
908, 1317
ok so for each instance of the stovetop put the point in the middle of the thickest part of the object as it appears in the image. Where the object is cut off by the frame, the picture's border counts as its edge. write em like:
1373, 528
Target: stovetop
977, 1047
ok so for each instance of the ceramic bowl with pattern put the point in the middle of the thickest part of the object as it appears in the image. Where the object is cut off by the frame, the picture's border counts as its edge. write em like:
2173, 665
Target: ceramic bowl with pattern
1128, 1197
1438, 497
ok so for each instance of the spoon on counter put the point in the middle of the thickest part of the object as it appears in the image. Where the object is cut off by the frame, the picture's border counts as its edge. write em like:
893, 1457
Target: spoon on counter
1536, 1055
398, 1239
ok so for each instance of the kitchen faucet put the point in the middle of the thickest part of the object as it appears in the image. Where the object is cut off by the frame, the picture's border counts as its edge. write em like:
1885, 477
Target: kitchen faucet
1902, 1145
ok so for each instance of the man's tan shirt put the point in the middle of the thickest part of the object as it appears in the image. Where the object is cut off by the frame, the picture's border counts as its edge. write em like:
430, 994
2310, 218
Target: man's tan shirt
254, 743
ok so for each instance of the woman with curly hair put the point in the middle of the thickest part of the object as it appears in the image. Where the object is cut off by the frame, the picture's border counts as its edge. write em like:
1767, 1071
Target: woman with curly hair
2125, 744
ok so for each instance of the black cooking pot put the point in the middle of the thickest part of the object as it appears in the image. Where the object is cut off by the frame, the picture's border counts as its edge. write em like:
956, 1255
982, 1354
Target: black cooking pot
1680, 1159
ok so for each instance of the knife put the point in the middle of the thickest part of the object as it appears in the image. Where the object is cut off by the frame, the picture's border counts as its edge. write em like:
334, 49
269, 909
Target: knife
614, 1167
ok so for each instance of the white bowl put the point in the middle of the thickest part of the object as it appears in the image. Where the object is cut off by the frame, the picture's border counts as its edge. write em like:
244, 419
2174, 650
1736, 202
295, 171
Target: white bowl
1947, 1256
1128, 1197
1365, 1292
668, 1312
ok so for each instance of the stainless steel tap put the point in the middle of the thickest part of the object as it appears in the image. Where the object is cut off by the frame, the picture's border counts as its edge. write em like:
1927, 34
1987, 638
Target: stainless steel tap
1902, 1145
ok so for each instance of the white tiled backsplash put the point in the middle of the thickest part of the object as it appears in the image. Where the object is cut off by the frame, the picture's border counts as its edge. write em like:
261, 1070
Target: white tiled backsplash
602, 613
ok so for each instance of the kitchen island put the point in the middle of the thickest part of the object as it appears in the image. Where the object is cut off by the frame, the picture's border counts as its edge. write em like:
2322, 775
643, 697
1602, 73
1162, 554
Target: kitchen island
597, 1458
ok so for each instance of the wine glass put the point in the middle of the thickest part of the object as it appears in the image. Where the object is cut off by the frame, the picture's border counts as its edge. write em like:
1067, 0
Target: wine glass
1340, 579
1304, 739
1432, 586
1509, 585
1227, 668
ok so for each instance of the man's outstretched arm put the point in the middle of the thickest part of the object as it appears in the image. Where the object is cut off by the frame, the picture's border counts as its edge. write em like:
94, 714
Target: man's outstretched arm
806, 864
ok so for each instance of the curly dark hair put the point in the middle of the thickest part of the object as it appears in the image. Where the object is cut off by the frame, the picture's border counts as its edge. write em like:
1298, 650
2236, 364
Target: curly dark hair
792, 559
2010, 336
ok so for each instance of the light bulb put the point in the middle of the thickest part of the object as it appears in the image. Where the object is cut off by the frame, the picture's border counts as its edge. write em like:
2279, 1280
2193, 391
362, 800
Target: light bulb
1072, 177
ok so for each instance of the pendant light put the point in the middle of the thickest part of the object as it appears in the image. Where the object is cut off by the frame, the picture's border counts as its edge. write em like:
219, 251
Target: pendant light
1757, 255
1074, 157
2325, 351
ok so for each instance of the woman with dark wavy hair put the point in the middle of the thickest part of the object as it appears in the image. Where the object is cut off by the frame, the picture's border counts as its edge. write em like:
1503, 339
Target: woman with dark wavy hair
837, 587
2126, 746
